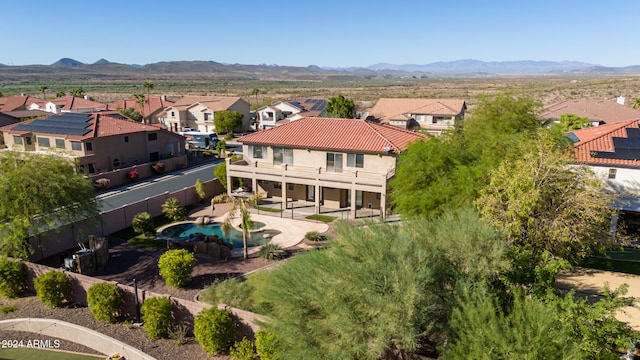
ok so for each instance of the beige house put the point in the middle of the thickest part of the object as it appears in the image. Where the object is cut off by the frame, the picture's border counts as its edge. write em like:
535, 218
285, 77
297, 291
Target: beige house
282, 112
597, 111
433, 115
98, 142
334, 163
153, 109
197, 112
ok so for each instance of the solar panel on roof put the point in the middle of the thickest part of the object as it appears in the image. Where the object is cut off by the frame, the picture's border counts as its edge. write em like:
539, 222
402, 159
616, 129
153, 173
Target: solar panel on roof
65, 124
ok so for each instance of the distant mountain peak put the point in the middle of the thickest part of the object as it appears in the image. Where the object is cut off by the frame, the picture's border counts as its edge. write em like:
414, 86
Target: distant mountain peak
471, 66
102, 61
67, 62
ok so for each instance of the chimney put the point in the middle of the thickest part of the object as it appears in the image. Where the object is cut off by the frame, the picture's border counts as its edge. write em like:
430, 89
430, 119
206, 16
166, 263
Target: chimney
163, 97
86, 97
620, 100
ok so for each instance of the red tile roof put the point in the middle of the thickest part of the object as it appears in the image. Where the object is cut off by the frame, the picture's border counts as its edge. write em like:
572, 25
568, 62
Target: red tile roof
214, 103
596, 110
600, 139
387, 109
336, 134
155, 103
100, 125
16, 102
69, 103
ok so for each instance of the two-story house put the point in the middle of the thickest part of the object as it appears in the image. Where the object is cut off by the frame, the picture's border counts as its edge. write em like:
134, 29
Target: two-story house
612, 152
152, 109
98, 142
282, 112
432, 115
336, 163
197, 112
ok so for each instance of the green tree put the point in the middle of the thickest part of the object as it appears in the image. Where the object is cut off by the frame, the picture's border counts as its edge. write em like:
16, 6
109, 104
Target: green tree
43, 90
148, 85
255, 92
570, 122
60, 93
636, 103
340, 107
39, 192
240, 208
227, 120
379, 288
131, 113
142, 223
140, 100
77, 92
220, 172
173, 209
545, 205
201, 192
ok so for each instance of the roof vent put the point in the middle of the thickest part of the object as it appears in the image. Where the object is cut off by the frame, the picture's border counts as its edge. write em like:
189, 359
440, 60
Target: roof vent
620, 100
386, 149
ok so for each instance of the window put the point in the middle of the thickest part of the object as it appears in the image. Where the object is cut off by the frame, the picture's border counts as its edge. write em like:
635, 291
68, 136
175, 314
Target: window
208, 116
334, 162
17, 140
126, 139
76, 145
612, 173
154, 156
257, 151
60, 143
27, 140
355, 160
116, 163
277, 185
92, 168
173, 114
88, 146
290, 187
282, 156
152, 136
44, 142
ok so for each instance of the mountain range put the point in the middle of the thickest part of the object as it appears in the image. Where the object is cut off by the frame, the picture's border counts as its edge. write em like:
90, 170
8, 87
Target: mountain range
450, 68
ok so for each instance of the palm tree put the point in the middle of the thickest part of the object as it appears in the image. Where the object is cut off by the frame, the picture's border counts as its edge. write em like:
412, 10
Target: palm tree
42, 90
255, 93
636, 103
60, 93
239, 205
140, 100
77, 92
148, 85
173, 209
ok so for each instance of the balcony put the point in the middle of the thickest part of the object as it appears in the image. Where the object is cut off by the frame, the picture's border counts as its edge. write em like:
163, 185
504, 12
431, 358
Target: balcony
347, 179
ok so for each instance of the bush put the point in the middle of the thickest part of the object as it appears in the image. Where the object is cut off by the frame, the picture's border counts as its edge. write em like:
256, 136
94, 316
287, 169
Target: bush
102, 184
315, 236
243, 350
156, 316
53, 288
105, 301
173, 209
158, 168
13, 277
143, 224
272, 252
265, 345
176, 267
213, 330
234, 292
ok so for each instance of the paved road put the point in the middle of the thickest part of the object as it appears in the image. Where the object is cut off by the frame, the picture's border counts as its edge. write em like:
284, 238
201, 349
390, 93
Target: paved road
170, 182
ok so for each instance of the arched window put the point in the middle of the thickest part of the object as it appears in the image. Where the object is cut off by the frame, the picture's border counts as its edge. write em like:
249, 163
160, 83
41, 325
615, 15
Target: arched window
116, 163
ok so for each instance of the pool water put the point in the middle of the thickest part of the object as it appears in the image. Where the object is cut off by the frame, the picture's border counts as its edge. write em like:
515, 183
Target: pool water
183, 232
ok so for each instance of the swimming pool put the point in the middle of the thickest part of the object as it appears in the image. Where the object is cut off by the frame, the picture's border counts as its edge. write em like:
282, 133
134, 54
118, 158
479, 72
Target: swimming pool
185, 231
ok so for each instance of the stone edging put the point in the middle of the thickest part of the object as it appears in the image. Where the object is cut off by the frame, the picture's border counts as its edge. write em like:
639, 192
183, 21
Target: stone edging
77, 334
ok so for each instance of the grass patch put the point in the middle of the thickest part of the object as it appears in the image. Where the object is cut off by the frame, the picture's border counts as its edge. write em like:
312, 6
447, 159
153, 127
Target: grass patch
323, 218
611, 265
268, 209
130, 236
5, 309
25, 353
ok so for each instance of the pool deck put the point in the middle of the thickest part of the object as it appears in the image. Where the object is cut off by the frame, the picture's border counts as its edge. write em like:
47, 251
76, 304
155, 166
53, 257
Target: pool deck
292, 231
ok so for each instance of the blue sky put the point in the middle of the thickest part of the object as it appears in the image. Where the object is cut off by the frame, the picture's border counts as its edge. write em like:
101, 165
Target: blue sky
325, 33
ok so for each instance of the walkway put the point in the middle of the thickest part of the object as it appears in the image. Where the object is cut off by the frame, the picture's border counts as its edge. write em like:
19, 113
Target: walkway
591, 283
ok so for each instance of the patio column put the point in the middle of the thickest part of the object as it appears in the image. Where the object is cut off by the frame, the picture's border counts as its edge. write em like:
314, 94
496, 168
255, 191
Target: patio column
284, 194
229, 180
317, 197
353, 202
254, 185
383, 205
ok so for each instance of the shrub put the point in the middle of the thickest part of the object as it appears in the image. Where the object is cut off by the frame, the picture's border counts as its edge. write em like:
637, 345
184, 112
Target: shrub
201, 192
105, 301
102, 184
158, 168
272, 252
243, 350
234, 292
133, 174
53, 288
315, 236
176, 267
143, 224
213, 330
156, 315
221, 199
265, 345
179, 334
173, 209
13, 277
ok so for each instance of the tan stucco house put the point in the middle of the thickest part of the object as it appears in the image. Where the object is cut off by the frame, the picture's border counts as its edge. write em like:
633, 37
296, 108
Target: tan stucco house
98, 142
197, 112
334, 163
152, 110
432, 115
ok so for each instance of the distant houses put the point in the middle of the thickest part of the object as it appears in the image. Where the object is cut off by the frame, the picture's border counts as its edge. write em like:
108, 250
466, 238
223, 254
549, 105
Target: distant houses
282, 112
198, 112
432, 115
597, 111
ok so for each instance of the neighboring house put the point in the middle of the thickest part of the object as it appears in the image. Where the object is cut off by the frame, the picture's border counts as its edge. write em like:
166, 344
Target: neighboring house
152, 110
16, 102
98, 142
66, 104
432, 115
612, 152
597, 111
282, 112
335, 163
10, 117
197, 112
